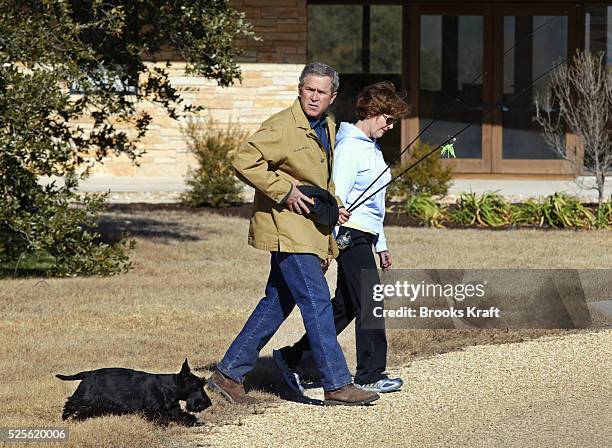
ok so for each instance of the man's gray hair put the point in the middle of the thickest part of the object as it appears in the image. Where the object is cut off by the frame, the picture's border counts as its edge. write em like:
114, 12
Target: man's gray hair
320, 69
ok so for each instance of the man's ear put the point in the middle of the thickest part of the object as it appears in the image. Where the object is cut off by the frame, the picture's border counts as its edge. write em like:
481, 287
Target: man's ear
333, 97
185, 369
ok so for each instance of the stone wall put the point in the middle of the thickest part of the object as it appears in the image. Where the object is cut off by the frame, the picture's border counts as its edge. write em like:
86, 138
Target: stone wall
265, 90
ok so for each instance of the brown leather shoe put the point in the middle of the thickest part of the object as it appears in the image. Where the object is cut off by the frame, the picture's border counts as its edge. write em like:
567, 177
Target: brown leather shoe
349, 395
231, 390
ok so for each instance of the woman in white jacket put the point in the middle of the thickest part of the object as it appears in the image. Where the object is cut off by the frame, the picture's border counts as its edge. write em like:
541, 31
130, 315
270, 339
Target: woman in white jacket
358, 161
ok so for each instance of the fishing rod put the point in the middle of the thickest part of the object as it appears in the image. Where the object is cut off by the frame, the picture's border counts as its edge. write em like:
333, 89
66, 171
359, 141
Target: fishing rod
353, 207
452, 138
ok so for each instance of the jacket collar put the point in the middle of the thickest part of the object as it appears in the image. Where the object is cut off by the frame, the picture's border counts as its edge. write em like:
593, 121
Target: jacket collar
300, 118
301, 121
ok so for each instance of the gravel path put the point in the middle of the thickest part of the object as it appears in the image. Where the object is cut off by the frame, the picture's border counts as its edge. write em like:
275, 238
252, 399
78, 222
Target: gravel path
547, 392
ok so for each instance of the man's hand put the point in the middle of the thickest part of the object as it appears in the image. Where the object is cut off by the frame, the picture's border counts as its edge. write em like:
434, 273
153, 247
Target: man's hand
325, 264
385, 260
343, 215
296, 201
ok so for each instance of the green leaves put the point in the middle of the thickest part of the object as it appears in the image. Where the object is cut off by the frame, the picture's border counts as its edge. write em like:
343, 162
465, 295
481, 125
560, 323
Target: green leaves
424, 208
56, 224
562, 211
448, 151
488, 210
47, 48
558, 211
603, 217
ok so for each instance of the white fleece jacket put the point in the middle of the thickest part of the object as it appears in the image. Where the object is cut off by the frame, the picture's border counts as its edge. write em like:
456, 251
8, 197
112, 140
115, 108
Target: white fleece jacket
358, 160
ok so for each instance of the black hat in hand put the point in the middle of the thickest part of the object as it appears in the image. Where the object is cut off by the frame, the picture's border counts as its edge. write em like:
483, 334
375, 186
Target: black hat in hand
324, 212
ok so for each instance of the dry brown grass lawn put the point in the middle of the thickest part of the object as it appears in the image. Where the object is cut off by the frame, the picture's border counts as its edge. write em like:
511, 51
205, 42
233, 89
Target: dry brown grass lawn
194, 282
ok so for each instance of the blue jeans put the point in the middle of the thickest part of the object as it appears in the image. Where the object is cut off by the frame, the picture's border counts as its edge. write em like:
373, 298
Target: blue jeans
294, 279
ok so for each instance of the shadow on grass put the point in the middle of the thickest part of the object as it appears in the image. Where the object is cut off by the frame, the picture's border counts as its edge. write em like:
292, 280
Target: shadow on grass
265, 377
113, 229
30, 265
11, 273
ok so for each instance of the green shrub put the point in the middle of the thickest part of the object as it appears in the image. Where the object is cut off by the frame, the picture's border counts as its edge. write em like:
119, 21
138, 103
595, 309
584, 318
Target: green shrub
491, 210
488, 210
48, 230
213, 182
604, 215
562, 211
557, 211
50, 50
424, 208
430, 177
530, 212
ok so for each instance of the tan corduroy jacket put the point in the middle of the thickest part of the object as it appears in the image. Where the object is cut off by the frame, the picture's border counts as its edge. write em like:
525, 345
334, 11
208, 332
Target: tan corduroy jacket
284, 149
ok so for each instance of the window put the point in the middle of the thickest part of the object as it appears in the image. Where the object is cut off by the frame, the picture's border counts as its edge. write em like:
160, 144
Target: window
533, 45
451, 92
364, 43
598, 29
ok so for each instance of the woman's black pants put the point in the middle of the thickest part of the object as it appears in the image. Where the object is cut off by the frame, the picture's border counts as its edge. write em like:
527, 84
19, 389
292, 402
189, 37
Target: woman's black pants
348, 304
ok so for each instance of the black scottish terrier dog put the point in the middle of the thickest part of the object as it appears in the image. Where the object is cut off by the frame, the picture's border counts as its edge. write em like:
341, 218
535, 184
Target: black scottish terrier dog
124, 391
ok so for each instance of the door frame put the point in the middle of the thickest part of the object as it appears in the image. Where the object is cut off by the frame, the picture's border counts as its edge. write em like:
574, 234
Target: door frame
526, 166
410, 128
492, 128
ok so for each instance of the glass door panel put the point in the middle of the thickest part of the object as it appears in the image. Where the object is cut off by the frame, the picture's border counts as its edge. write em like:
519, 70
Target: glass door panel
451, 66
533, 45
598, 30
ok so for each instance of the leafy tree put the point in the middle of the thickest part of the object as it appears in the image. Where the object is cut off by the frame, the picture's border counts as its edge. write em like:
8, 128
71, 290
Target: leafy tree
64, 62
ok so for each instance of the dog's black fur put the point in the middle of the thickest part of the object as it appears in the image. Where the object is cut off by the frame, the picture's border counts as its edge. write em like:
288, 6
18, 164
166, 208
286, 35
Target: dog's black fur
123, 391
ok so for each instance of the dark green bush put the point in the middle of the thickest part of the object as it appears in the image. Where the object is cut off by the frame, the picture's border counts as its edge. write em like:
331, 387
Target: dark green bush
213, 182
72, 79
50, 228
429, 177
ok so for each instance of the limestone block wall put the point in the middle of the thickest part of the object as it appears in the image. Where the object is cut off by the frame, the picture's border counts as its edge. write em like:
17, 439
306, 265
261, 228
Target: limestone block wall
264, 90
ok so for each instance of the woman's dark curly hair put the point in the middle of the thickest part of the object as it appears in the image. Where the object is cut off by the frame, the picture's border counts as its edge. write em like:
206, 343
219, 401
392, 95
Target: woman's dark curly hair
379, 99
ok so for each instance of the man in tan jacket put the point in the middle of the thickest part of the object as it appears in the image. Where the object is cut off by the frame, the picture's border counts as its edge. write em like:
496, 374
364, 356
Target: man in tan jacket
293, 147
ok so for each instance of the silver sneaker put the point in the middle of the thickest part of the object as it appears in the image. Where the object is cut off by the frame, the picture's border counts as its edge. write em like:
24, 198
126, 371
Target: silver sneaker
290, 376
383, 386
